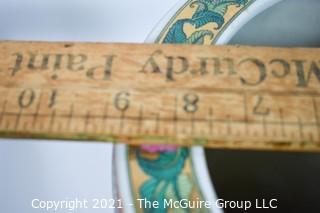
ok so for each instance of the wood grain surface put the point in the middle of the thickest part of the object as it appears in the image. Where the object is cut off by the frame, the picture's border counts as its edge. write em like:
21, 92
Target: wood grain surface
235, 97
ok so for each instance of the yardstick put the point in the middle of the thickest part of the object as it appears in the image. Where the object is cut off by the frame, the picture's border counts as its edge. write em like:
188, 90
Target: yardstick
234, 97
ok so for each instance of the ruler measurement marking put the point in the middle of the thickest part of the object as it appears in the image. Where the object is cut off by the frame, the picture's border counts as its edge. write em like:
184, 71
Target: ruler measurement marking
140, 119
175, 116
3, 111
311, 137
122, 117
87, 120
315, 109
7, 124
70, 116
211, 121
300, 128
111, 129
40, 127
168, 119
156, 129
105, 116
293, 136
25, 125
52, 120
94, 126
245, 108
59, 126
228, 121
282, 123
264, 126
261, 92
92, 121
18, 116
192, 119
36, 113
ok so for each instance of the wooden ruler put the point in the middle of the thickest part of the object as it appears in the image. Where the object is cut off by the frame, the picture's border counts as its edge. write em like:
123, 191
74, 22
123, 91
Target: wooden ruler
220, 97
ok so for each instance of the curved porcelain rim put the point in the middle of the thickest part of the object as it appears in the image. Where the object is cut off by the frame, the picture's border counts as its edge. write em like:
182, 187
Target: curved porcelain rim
197, 152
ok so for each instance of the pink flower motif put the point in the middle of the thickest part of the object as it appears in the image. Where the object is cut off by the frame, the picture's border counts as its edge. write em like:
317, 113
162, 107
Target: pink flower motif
159, 148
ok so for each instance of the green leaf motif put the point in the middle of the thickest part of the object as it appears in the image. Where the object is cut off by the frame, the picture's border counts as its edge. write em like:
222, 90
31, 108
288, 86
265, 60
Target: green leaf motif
200, 4
207, 11
221, 6
198, 37
183, 188
204, 17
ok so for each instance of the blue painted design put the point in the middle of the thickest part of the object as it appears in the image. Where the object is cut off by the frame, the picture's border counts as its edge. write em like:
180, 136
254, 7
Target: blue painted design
208, 11
165, 169
166, 180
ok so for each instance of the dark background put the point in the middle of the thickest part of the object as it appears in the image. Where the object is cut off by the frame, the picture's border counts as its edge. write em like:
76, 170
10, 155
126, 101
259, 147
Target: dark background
292, 178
